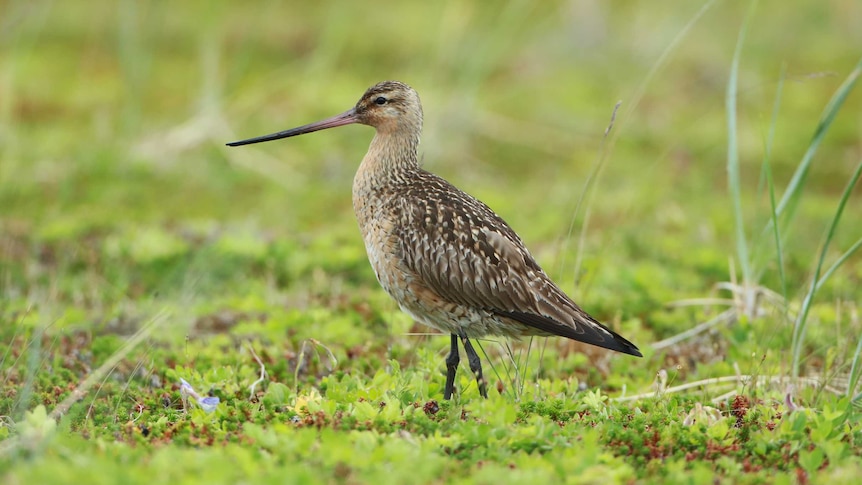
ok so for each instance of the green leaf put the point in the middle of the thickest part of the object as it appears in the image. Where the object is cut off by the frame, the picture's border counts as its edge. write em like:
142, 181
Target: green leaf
277, 394
810, 461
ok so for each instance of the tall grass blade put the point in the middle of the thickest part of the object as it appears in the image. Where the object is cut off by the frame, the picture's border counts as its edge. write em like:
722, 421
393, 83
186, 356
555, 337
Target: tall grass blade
855, 370
770, 184
838, 262
609, 137
794, 188
733, 179
799, 327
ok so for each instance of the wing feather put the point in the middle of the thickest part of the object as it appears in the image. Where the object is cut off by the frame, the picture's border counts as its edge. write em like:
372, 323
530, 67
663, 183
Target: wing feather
459, 248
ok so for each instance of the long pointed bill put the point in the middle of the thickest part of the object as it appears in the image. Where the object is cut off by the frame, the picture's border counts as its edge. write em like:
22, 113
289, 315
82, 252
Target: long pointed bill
345, 118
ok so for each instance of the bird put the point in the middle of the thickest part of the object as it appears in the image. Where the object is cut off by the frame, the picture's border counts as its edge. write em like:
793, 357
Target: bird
446, 258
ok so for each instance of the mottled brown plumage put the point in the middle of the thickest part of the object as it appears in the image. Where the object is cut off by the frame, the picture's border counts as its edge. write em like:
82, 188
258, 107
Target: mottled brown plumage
444, 256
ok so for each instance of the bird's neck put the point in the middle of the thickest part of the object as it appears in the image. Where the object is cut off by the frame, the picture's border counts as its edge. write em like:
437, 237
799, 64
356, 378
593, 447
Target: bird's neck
390, 157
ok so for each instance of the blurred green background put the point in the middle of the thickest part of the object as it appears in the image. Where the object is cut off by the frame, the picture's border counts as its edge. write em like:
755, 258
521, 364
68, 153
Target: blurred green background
116, 186
120, 205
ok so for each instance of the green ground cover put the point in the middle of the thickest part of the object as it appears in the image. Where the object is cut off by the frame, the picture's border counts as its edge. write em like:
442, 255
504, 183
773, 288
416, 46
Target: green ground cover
715, 225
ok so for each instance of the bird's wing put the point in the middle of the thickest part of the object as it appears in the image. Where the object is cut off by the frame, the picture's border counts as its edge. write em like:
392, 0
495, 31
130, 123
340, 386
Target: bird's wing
459, 248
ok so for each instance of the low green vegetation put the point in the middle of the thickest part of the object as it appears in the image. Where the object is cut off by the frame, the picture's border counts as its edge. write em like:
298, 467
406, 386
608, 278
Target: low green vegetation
174, 311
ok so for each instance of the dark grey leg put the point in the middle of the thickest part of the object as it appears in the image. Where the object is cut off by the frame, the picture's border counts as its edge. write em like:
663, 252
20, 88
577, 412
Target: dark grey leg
451, 366
476, 367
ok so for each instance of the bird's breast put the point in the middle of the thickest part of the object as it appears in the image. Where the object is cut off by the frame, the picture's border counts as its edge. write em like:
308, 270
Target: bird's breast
377, 216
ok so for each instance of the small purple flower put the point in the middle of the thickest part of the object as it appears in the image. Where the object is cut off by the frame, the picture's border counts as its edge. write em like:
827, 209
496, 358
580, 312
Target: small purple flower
208, 404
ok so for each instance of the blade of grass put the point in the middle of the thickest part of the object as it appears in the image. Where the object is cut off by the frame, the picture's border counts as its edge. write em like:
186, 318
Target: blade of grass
800, 325
770, 184
855, 370
511, 380
609, 137
733, 178
838, 262
523, 376
794, 188
493, 367
587, 195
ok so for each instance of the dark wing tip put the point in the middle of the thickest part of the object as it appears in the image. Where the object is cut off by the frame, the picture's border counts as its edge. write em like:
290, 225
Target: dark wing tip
590, 335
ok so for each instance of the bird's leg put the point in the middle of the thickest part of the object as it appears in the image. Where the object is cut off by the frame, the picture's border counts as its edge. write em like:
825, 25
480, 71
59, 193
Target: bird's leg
476, 366
452, 361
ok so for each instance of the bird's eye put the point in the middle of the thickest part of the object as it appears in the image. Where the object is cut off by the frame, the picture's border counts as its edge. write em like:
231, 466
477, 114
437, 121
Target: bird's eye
380, 100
